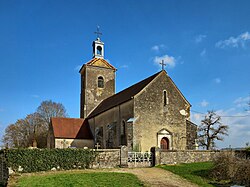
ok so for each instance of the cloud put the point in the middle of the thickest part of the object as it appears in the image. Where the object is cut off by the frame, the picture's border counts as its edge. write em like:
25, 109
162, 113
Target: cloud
242, 101
217, 80
35, 96
238, 41
157, 48
1, 109
203, 53
170, 61
204, 103
200, 38
78, 67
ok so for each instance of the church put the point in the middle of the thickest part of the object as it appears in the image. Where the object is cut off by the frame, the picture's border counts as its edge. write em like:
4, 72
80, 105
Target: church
150, 113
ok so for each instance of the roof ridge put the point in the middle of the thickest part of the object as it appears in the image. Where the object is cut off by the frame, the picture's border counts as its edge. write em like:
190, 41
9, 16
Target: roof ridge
122, 96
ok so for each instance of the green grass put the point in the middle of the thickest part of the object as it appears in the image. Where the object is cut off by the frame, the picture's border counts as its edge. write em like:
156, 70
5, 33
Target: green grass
194, 172
80, 180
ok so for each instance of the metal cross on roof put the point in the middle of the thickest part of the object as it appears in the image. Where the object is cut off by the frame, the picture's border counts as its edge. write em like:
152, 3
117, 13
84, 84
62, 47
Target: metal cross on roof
162, 64
97, 32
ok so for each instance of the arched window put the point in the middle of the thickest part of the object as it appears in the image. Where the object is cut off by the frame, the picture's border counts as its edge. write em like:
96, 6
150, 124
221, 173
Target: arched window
100, 82
99, 50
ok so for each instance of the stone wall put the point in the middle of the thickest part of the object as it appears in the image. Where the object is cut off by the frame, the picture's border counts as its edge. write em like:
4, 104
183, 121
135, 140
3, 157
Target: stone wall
184, 156
107, 158
4, 172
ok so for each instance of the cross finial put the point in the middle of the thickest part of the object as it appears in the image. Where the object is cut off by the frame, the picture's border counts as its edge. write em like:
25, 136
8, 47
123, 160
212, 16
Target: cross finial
162, 64
97, 146
97, 32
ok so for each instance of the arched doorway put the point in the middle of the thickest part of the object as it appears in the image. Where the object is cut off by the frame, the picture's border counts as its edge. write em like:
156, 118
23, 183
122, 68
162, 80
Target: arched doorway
164, 143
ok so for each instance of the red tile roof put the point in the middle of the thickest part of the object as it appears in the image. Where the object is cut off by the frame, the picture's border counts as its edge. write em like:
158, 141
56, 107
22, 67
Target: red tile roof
73, 128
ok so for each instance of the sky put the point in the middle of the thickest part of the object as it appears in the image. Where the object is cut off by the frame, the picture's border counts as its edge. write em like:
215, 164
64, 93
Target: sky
205, 44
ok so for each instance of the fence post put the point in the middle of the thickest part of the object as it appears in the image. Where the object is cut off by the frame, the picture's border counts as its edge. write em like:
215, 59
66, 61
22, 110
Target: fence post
124, 156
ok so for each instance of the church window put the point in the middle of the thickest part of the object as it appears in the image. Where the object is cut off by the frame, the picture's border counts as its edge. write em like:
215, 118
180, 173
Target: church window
123, 133
165, 98
99, 50
100, 82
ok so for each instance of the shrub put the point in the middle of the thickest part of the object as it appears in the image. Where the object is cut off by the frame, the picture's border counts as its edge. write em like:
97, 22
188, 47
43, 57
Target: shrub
230, 168
34, 160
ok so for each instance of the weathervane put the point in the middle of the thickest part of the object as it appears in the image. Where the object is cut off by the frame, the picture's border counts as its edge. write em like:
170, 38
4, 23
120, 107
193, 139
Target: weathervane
97, 32
162, 64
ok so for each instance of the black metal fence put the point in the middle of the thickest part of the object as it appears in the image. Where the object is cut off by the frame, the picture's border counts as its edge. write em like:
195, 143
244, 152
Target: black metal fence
4, 172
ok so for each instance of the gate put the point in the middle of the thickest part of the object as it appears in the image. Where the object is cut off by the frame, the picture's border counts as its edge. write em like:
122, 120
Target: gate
139, 159
4, 172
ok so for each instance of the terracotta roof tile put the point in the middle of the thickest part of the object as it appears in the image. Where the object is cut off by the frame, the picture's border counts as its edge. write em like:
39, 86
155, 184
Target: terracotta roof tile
75, 128
122, 96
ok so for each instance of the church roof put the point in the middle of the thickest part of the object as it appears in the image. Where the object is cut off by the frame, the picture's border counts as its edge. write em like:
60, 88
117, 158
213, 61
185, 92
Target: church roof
98, 62
122, 96
72, 128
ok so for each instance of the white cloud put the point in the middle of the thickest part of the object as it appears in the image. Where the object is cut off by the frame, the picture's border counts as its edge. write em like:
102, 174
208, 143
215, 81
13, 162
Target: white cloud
238, 41
157, 48
242, 101
204, 103
203, 53
217, 80
200, 38
77, 68
170, 61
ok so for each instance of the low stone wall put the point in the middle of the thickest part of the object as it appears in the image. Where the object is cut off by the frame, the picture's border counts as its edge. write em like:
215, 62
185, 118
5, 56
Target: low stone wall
185, 156
107, 158
4, 172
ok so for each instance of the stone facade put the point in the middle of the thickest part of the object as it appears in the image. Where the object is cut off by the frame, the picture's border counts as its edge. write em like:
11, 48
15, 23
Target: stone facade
91, 93
191, 130
155, 116
77, 143
148, 117
107, 127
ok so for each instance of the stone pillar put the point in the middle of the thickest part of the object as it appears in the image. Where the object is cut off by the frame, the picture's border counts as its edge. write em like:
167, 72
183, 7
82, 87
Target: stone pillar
124, 156
156, 156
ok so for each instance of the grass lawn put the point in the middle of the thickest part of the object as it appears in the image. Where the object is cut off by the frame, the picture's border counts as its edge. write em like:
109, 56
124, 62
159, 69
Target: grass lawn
79, 179
194, 172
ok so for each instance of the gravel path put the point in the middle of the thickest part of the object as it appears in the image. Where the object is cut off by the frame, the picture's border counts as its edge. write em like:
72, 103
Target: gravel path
157, 177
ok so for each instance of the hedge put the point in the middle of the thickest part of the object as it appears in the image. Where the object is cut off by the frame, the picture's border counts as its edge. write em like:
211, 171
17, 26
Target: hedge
34, 160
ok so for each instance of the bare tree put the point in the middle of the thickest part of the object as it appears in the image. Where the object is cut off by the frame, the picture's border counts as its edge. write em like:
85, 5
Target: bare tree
49, 109
34, 127
211, 129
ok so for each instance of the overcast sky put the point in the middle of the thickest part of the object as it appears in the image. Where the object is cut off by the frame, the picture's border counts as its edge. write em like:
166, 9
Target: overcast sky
206, 45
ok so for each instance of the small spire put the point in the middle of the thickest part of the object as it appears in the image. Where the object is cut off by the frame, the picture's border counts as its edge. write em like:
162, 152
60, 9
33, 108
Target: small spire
162, 64
97, 32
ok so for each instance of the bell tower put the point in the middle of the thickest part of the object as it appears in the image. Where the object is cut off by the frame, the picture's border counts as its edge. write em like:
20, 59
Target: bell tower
97, 79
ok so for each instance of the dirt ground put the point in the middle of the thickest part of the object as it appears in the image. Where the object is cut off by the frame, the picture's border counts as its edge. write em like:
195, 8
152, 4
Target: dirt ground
157, 177
149, 176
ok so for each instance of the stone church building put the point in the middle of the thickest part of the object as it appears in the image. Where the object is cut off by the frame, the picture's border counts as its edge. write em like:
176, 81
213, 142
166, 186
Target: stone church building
150, 113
